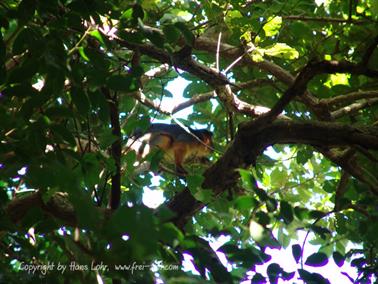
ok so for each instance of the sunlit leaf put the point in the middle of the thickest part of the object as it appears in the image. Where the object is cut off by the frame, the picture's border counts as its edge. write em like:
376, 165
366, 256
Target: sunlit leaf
245, 203
337, 79
82, 53
282, 50
97, 35
273, 26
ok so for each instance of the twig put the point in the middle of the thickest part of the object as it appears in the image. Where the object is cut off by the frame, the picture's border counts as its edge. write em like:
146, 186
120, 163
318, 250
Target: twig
218, 47
353, 108
323, 19
72, 50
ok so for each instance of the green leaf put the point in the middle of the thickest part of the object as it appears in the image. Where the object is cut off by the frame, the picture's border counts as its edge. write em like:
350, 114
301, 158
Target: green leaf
338, 258
316, 214
273, 271
303, 156
296, 250
91, 169
258, 279
323, 232
374, 8
26, 10
107, 138
127, 103
231, 16
245, 203
97, 35
27, 38
81, 101
273, 26
82, 53
100, 104
63, 133
257, 55
204, 195
286, 212
188, 35
194, 182
271, 203
171, 33
247, 178
2, 50
170, 234
87, 214
287, 275
59, 112
337, 79
262, 235
263, 218
21, 90
301, 213
138, 12
330, 186
278, 177
282, 50
194, 185
312, 278
123, 83
317, 259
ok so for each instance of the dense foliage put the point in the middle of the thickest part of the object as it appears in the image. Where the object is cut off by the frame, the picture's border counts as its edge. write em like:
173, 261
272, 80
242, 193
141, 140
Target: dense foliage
78, 77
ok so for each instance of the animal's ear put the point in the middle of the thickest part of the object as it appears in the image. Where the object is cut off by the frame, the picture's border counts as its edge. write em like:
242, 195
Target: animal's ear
206, 134
207, 137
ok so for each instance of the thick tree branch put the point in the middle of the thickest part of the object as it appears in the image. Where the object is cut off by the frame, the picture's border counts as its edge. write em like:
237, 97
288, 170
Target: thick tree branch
253, 138
310, 71
234, 104
58, 206
232, 52
186, 63
216, 79
347, 161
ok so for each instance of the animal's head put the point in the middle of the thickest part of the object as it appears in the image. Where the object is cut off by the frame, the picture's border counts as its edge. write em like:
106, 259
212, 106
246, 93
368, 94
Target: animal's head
205, 136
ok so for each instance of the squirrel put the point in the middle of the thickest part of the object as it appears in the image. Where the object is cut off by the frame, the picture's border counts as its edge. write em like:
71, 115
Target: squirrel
178, 145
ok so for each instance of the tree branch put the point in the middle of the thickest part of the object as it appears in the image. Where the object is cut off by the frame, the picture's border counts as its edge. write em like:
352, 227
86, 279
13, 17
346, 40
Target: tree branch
350, 109
116, 149
350, 97
253, 138
58, 206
